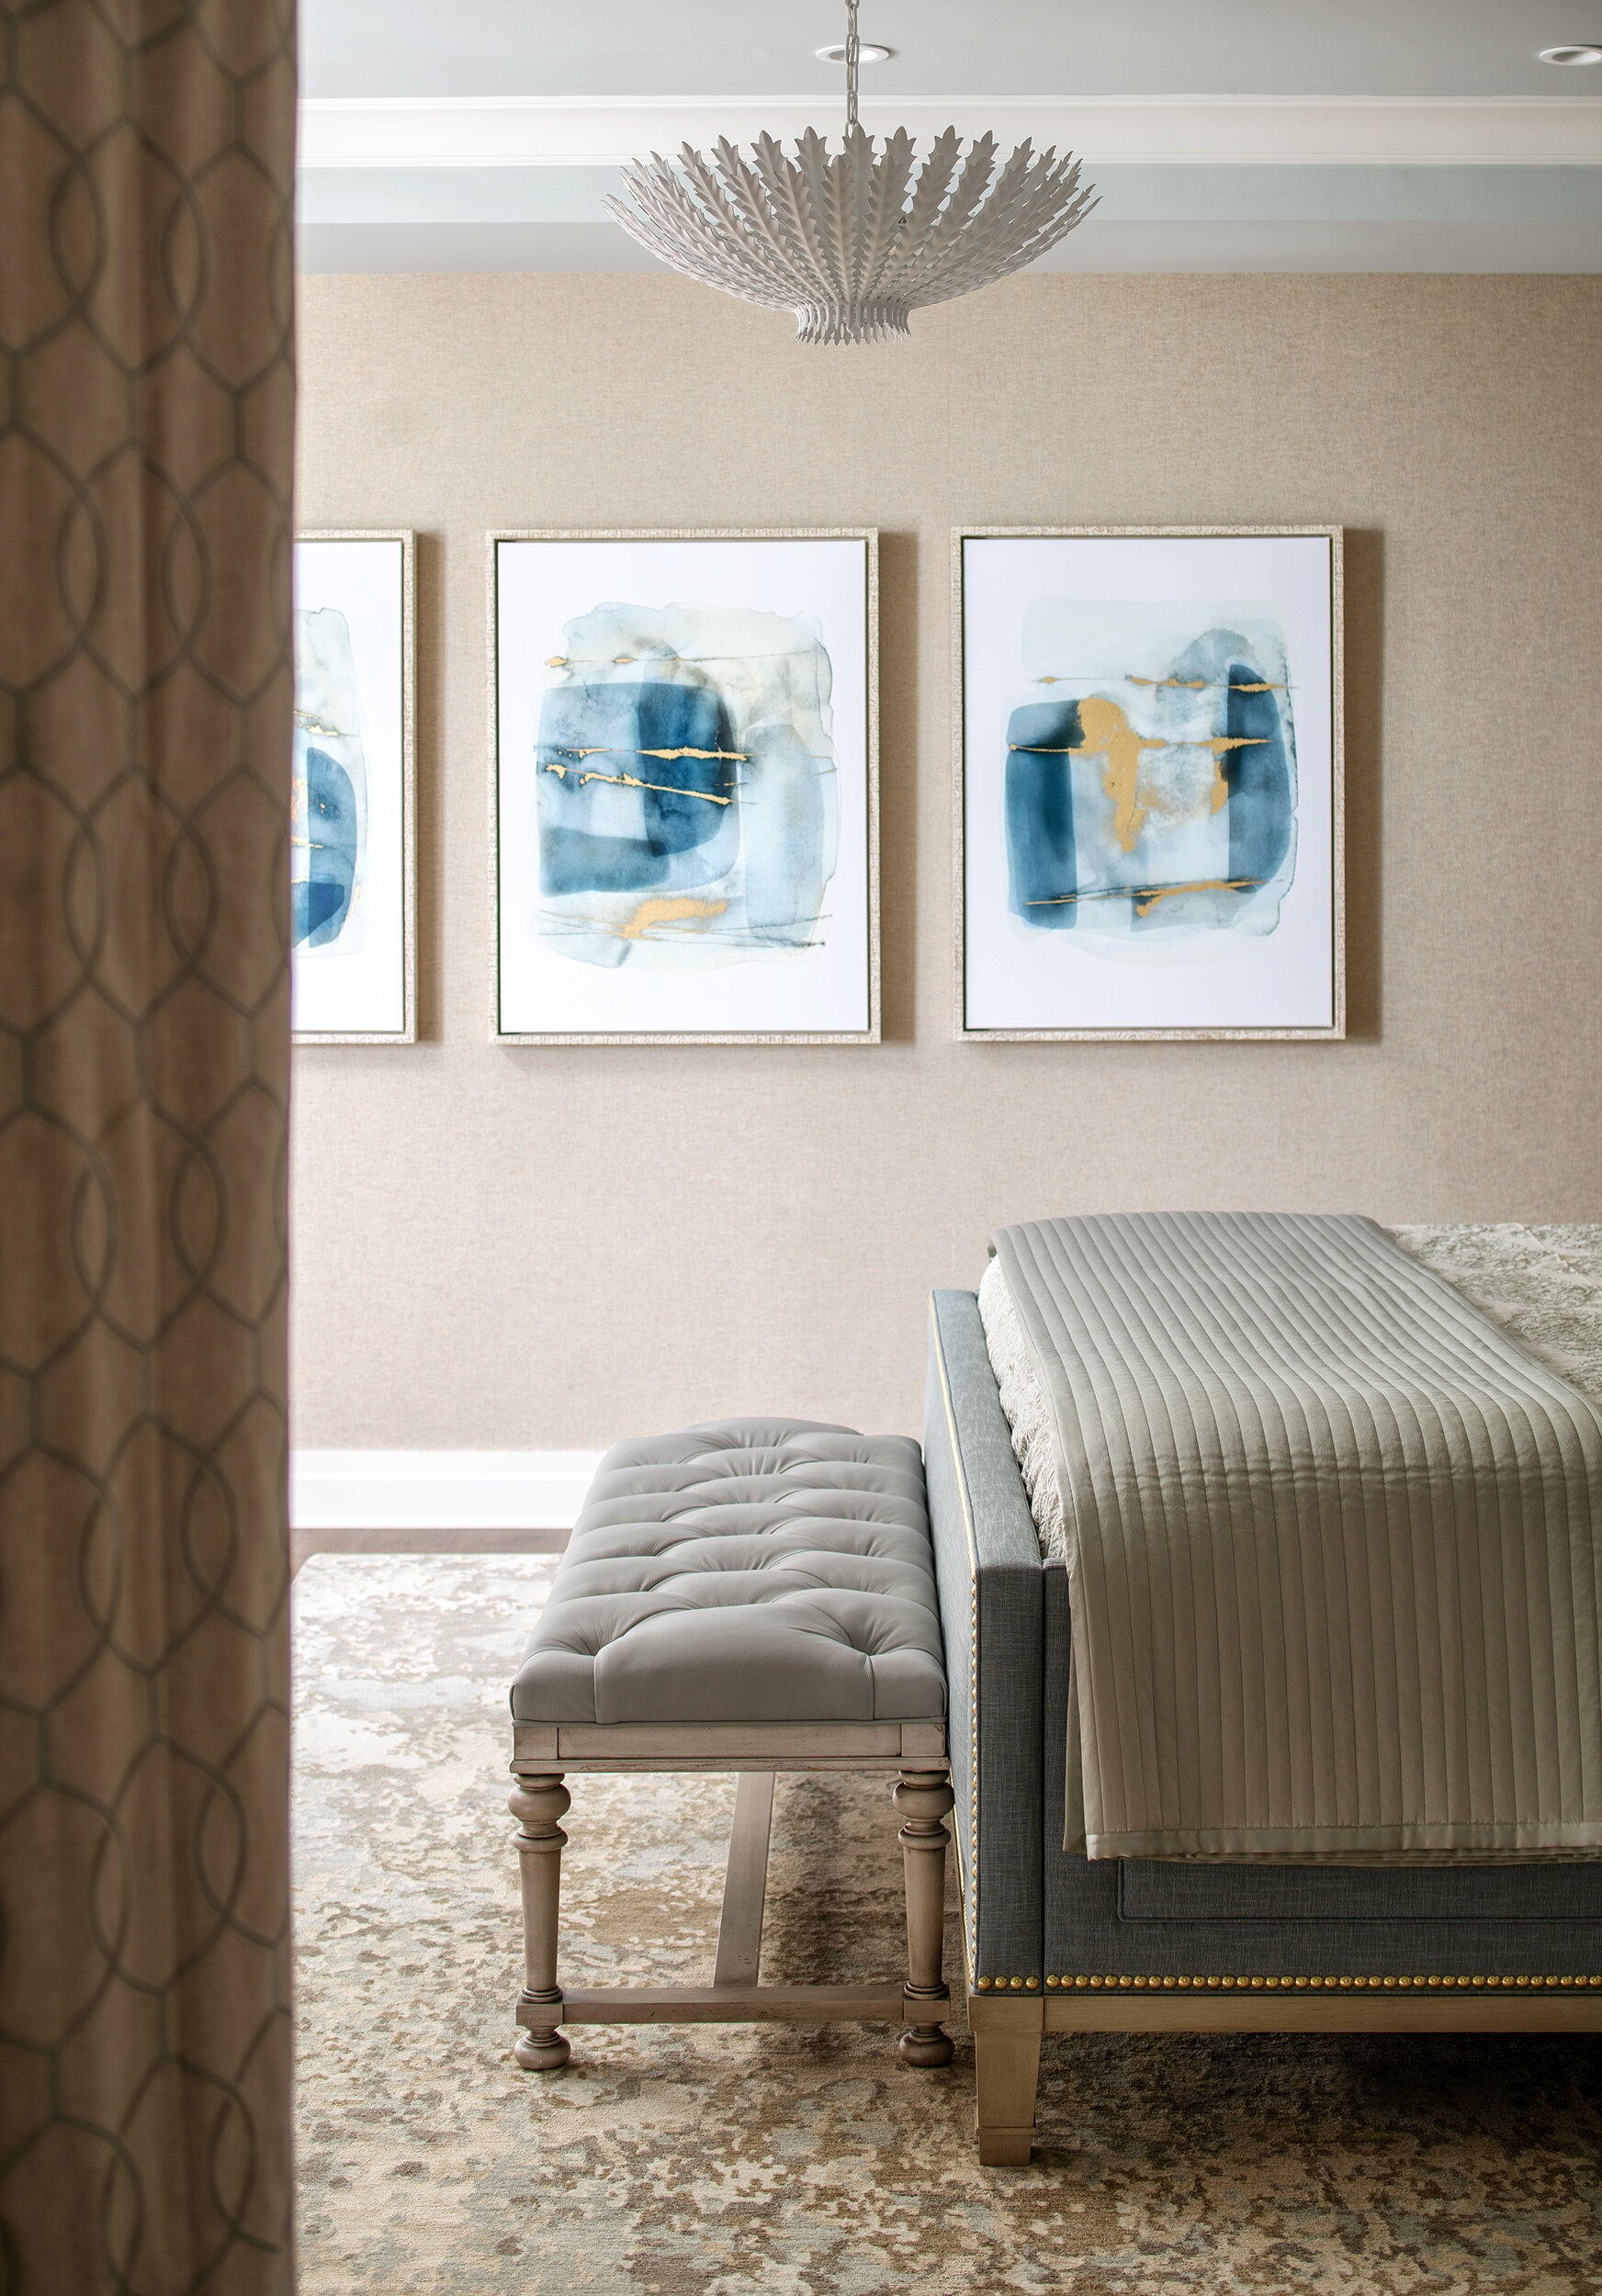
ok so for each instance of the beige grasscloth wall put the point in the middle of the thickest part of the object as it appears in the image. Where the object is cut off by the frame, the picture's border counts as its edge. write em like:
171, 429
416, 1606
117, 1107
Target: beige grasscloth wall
499, 1247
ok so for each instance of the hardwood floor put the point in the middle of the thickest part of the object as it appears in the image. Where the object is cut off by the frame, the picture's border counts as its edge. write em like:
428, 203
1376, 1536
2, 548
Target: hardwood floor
305, 1544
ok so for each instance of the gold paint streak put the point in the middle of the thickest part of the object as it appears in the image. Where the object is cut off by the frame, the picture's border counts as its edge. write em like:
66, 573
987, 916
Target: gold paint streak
1083, 749
1218, 747
1109, 734
311, 726
1191, 685
1146, 902
674, 910
556, 661
1202, 685
602, 661
628, 781
664, 789
1146, 898
610, 750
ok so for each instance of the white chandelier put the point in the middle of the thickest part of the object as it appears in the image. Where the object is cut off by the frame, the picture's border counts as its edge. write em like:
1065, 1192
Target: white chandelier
855, 244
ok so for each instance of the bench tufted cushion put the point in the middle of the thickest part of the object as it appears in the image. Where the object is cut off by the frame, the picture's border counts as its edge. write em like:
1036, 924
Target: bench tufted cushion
748, 1571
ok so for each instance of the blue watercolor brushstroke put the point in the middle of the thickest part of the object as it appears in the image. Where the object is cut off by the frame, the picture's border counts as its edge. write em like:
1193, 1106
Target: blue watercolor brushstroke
330, 784
1050, 853
1260, 809
321, 901
1041, 852
686, 810
609, 731
784, 872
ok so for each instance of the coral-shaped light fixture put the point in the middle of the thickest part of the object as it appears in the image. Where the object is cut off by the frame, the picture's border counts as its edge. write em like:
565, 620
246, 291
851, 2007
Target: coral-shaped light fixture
854, 242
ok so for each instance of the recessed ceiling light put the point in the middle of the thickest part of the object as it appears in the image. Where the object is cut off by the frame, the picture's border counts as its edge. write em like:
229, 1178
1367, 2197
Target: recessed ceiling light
866, 54
1584, 54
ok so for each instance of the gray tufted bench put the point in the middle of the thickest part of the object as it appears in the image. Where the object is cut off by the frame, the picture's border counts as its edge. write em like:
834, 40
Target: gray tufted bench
751, 1595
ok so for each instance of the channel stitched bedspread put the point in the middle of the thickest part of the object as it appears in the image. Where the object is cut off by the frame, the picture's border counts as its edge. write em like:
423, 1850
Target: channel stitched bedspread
1333, 1546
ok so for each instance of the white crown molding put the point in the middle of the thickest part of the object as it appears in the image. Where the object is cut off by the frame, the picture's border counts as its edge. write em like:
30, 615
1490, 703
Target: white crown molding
438, 1490
1108, 130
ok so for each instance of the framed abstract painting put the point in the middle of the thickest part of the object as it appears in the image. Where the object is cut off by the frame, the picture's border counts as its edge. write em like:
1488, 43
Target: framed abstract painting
1148, 782
353, 866
684, 795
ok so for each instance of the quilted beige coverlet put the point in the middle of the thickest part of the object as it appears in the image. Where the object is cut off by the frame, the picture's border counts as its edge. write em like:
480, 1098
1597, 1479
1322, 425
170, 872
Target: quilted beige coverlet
1333, 1546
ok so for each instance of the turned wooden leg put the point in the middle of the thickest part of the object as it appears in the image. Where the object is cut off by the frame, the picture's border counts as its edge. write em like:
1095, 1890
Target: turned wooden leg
540, 1803
1007, 2057
923, 1799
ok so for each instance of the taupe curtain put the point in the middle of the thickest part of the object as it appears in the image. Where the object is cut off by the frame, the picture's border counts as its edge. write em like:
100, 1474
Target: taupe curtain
146, 151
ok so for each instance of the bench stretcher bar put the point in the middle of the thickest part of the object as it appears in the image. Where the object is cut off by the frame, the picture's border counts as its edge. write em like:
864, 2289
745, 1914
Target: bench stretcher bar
727, 2005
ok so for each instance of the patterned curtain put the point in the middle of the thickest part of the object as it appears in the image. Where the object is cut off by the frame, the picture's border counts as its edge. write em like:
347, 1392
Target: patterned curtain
146, 154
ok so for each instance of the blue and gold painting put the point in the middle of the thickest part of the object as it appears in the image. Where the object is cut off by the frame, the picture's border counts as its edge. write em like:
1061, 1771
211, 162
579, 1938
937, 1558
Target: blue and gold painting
687, 810
329, 824
1150, 777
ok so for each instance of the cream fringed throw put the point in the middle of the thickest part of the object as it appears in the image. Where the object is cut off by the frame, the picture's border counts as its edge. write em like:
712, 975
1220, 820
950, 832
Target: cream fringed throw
1333, 1542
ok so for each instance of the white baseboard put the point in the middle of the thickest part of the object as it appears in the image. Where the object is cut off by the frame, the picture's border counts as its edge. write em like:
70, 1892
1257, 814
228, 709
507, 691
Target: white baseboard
438, 1490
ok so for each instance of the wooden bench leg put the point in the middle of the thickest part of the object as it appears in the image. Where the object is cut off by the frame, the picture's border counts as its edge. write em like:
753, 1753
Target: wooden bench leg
1007, 2056
539, 1804
923, 1799
745, 1884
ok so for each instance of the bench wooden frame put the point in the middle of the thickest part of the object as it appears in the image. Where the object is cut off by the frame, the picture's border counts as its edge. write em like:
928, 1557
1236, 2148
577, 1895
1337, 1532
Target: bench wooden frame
544, 1751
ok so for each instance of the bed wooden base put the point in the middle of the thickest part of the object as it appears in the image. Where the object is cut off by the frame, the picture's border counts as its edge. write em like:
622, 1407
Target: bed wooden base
1007, 2033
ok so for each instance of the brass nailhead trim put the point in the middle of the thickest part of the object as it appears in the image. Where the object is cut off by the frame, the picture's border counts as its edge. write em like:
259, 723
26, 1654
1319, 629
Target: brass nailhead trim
1118, 1983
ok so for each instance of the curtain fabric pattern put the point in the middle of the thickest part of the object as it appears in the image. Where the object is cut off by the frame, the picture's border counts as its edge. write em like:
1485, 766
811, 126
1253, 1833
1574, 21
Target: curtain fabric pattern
146, 158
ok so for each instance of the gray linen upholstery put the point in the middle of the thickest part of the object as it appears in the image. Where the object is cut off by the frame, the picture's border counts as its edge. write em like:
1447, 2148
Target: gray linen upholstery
987, 1558
1142, 1918
745, 1570
1170, 1919
1334, 1544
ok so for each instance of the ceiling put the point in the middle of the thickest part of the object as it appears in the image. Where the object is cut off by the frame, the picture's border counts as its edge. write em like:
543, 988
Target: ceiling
1483, 48
1341, 134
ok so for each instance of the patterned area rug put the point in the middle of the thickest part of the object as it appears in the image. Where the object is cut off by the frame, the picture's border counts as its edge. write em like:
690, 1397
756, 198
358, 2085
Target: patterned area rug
695, 2161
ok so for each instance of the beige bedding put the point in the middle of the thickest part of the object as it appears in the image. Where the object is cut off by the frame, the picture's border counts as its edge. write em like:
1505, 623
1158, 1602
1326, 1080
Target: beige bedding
1332, 1539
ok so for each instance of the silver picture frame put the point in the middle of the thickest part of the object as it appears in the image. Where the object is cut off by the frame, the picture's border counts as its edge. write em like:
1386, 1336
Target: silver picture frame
1066, 1033
407, 924
502, 1033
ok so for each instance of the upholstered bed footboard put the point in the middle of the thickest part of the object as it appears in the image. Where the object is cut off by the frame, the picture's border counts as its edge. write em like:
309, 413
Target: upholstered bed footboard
1060, 1943
989, 1568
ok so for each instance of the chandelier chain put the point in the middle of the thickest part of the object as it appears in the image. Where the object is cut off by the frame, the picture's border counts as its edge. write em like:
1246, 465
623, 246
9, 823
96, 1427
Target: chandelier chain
853, 57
